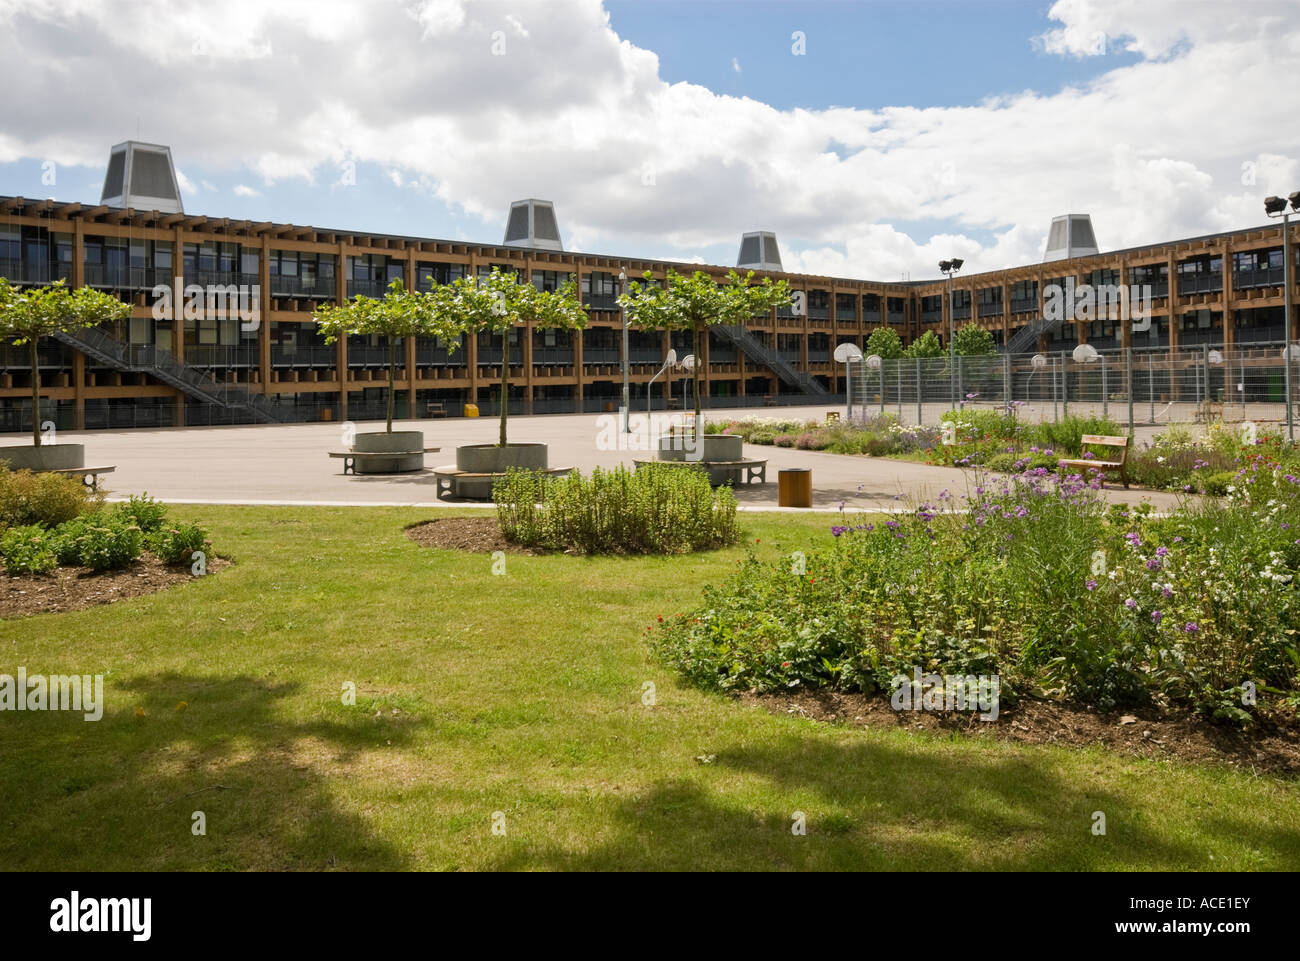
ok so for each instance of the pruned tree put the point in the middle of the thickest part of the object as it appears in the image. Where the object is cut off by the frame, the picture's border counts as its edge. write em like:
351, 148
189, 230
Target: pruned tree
696, 302
500, 302
397, 315
27, 315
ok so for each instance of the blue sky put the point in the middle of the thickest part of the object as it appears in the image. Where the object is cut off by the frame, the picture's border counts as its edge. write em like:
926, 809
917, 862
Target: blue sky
905, 132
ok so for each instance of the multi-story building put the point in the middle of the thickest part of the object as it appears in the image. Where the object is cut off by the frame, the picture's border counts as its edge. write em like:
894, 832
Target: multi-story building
1223, 289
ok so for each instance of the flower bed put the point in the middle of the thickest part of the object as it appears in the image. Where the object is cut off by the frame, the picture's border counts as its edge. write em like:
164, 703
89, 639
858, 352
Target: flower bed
1033, 579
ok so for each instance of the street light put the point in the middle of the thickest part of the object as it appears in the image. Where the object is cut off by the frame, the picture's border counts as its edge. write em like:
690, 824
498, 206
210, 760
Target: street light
627, 403
948, 268
1277, 207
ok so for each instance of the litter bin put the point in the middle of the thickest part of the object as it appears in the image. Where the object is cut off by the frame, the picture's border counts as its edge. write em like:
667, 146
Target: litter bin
327, 413
471, 410
794, 487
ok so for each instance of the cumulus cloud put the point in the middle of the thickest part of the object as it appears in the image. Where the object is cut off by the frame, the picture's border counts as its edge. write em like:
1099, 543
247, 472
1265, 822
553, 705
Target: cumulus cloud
481, 103
243, 190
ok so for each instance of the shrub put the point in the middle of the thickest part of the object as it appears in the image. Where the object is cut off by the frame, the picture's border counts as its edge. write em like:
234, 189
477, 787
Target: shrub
145, 512
177, 544
28, 550
761, 437
104, 543
1066, 435
784, 440
1218, 482
659, 509
48, 499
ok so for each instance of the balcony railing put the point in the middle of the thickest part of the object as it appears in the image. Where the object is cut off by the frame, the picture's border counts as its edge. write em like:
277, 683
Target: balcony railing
1206, 283
552, 356
818, 313
439, 357
316, 288
364, 355
991, 310
1024, 305
1256, 335
601, 301
28, 272
1259, 277
128, 278
599, 355
305, 356
215, 355
961, 312
367, 288
897, 317
931, 316
216, 278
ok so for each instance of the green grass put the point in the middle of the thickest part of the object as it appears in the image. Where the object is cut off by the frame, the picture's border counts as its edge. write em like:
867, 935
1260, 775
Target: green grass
522, 694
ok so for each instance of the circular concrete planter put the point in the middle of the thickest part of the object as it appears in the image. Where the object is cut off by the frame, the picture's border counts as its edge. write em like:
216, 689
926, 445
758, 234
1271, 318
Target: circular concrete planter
491, 459
45, 457
714, 447
382, 441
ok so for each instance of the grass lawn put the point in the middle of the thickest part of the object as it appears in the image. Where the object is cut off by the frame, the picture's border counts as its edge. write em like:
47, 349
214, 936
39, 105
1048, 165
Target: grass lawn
522, 694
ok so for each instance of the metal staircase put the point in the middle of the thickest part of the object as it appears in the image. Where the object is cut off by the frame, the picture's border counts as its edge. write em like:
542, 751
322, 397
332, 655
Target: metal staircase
163, 366
1024, 339
754, 349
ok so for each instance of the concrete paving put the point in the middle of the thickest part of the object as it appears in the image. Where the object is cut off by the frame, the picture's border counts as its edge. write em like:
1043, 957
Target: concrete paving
287, 464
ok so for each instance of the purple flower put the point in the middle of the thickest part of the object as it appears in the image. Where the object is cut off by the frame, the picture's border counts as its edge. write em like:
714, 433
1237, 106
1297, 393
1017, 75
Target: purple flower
1090, 584
1131, 604
1155, 617
1154, 564
1191, 627
1161, 551
1178, 540
836, 531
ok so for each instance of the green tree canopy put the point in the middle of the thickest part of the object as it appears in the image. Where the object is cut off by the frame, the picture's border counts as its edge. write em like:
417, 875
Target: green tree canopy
885, 342
501, 301
696, 302
397, 315
927, 345
973, 341
28, 315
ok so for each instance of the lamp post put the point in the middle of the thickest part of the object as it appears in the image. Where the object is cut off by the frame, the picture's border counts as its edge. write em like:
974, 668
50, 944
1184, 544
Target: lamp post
1277, 207
627, 403
948, 268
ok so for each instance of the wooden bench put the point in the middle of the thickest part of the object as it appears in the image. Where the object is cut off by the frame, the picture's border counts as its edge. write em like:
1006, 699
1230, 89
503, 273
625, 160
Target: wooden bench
471, 486
89, 475
435, 408
769, 400
350, 457
1103, 440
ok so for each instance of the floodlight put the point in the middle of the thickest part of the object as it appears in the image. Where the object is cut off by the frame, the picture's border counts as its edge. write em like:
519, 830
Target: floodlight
956, 263
1274, 205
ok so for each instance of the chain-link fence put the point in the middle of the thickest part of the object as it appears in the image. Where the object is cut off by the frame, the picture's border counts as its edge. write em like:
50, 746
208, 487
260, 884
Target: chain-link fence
1134, 387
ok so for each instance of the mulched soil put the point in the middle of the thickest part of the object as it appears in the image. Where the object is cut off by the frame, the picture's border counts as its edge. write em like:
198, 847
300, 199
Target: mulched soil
481, 535
1271, 746
76, 588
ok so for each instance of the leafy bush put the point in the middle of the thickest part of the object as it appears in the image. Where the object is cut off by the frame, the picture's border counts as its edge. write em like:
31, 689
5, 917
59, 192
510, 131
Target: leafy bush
176, 544
49, 499
28, 550
659, 509
1066, 435
145, 512
1032, 579
1218, 482
101, 543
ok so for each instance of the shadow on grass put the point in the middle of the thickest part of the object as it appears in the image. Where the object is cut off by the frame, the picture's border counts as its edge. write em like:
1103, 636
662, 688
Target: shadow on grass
121, 793
872, 805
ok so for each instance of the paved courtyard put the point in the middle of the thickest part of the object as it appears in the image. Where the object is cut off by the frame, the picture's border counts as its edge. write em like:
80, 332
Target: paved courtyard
287, 464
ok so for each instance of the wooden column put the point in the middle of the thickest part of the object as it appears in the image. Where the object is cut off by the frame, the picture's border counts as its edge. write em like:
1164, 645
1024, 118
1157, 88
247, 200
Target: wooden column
411, 411
263, 321
341, 346
178, 316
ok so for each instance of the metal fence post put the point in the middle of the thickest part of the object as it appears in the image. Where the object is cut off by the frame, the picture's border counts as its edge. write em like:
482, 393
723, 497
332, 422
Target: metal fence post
918, 392
898, 383
1006, 381
1128, 382
1065, 386
961, 389
1151, 385
1105, 391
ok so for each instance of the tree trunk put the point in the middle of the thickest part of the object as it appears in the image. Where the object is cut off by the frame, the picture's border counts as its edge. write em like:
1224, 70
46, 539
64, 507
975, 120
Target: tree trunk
505, 383
392, 374
695, 333
36, 392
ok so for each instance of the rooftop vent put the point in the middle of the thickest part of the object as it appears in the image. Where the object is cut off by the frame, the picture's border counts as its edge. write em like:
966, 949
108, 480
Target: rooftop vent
758, 251
1071, 236
532, 223
141, 175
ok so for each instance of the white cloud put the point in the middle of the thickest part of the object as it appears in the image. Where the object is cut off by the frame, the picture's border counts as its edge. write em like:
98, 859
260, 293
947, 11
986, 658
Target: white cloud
572, 112
735, 64
243, 190
187, 185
